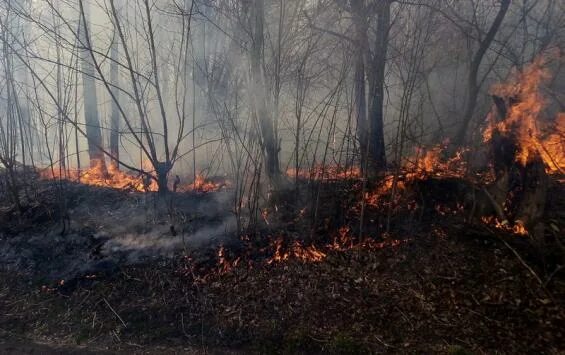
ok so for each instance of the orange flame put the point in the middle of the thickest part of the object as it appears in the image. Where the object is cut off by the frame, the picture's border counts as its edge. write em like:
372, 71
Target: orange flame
201, 184
517, 228
431, 162
523, 118
99, 176
114, 178
296, 251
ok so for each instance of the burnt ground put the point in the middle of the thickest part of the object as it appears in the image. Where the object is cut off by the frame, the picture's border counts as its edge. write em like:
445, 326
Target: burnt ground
105, 229
450, 286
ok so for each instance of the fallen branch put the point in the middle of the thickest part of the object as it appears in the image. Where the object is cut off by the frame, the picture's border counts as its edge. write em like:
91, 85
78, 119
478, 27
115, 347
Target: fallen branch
521, 260
117, 315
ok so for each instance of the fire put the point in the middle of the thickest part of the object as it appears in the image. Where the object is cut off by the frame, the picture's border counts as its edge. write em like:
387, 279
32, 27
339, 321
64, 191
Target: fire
342, 239
201, 184
422, 165
553, 147
111, 176
431, 162
224, 265
523, 119
296, 251
99, 176
517, 228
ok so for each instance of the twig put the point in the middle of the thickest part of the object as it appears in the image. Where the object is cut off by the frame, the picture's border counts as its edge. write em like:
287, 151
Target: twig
557, 269
383, 342
522, 261
117, 315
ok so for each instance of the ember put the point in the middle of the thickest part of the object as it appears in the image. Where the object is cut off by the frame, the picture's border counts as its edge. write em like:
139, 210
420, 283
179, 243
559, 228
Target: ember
516, 228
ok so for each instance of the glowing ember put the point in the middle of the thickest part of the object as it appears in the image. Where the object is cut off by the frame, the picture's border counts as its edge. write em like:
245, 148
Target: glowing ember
517, 228
223, 263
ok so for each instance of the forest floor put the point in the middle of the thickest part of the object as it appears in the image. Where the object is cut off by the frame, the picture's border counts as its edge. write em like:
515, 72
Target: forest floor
448, 287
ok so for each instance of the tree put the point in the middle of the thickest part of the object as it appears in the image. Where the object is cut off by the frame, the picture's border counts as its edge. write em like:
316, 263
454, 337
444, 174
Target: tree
473, 84
115, 117
370, 71
92, 122
377, 153
259, 97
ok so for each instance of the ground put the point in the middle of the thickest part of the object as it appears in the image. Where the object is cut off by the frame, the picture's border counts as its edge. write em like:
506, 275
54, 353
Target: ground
452, 287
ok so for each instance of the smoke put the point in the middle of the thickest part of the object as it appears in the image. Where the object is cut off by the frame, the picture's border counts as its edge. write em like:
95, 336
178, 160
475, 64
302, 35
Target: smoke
160, 243
133, 231
110, 229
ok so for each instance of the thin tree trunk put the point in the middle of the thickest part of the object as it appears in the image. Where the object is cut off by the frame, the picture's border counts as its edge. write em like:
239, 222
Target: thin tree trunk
93, 132
259, 96
359, 85
473, 82
377, 154
115, 118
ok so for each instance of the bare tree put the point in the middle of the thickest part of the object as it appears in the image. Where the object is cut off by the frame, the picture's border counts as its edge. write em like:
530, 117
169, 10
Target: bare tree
115, 116
92, 121
473, 83
259, 97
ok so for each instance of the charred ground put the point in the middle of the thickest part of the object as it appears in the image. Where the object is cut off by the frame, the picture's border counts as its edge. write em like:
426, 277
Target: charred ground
437, 280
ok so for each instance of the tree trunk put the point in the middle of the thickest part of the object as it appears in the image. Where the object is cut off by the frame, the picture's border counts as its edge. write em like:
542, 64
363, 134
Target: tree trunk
520, 189
377, 154
361, 44
115, 118
473, 85
162, 170
93, 132
259, 96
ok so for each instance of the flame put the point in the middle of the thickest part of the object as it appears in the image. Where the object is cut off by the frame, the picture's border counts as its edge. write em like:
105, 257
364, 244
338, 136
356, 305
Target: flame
224, 265
527, 103
101, 175
201, 184
111, 176
431, 162
517, 228
553, 147
296, 251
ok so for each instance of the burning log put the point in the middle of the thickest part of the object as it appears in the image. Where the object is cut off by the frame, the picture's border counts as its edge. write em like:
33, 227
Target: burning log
520, 162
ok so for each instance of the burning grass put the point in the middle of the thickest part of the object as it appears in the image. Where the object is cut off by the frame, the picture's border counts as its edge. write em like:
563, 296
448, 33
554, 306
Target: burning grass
110, 176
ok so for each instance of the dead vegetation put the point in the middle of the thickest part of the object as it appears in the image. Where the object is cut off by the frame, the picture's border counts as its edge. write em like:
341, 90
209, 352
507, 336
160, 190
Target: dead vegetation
437, 282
